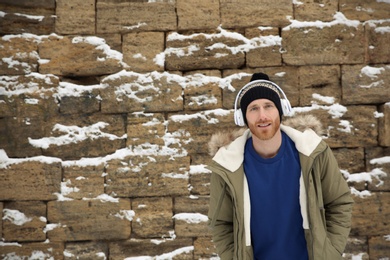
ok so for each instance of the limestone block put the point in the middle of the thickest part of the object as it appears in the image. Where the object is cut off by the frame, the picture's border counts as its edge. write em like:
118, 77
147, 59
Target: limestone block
145, 128
142, 51
35, 16
114, 40
204, 96
78, 56
371, 215
116, 16
84, 103
319, 84
384, 125
379, 246
378, 37
249, 13
195, 14
179, 248
19, 55
28, 95
204, 51
148, 176
199, 127
132, 92
356, 246
75, 17
83, 182
200, 182
193, 204
364, 10
312, 10
30, 180
77, 220
204, 248
269, 52
191, 225
75, 136
351, 160
378, 168
46, 250
15, 134
86, 250
352, 126
24, 221
153, 217
365, 84
328, 44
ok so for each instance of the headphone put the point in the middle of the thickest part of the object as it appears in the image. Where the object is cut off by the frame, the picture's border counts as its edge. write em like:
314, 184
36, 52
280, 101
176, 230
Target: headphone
284, 102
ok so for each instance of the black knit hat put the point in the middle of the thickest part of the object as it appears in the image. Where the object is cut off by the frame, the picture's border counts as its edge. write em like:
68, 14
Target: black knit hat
260, 89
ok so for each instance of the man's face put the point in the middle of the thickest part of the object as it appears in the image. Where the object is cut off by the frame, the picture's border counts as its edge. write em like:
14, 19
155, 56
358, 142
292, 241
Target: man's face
263, 118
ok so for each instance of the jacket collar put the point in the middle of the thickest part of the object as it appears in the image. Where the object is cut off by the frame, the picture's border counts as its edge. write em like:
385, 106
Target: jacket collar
231, 156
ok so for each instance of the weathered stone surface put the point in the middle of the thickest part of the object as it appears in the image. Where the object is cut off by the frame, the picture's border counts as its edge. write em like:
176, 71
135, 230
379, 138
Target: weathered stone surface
379, 168
204, 248
356, 246
114, 40
78, 56
197, 14
132, 92
351, 126
379, 247
364, 10
45, 250
205, 96
149, 128
18, 54
178, 248
351, 160
30, 180
76, 136
194, 204
148, 176
191, 225
268, 52
118, 16
153, 217
84, 182
365, 84
319, 84
337, 44
378, 36
142, 51
371, 214
86, 250
34, 16
249, 13
78, 220
200, 183
200, 52
384, 125
27, 228
75, 17
312, 10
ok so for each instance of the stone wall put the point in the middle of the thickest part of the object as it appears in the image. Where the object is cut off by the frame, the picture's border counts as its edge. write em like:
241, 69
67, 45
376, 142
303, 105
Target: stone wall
106, 108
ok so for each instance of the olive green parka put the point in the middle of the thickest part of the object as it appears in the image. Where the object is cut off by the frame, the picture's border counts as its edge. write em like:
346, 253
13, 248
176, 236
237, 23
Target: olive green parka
325, 198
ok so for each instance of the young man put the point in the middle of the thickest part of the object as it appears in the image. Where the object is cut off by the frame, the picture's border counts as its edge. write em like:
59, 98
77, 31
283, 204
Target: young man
276, 192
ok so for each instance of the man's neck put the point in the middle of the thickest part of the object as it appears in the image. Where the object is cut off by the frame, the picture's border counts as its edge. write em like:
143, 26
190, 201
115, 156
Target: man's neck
268, 148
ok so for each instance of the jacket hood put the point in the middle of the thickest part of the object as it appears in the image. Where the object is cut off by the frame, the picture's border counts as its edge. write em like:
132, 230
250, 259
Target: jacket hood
300, 123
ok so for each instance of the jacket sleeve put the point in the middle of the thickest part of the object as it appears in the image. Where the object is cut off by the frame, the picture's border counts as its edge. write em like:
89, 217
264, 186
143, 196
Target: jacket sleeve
221, 218
337, 201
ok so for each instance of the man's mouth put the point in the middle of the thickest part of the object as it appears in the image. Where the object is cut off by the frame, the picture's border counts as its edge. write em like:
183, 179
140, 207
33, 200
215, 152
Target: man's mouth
263, 125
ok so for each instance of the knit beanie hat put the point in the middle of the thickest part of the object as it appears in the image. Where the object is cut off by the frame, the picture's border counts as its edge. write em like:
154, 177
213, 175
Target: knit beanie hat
258, 90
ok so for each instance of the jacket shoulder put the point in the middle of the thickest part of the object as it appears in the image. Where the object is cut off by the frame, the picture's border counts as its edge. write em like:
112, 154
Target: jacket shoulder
222, 139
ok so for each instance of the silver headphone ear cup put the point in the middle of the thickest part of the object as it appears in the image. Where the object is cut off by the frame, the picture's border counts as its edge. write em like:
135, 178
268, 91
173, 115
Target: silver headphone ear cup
238, 118
286, 107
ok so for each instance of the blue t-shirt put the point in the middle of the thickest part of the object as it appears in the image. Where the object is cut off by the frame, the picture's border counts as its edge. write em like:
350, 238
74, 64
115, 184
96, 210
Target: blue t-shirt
276, 220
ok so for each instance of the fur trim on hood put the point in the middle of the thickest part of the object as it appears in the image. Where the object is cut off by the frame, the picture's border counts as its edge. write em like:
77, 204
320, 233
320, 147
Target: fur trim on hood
300, 123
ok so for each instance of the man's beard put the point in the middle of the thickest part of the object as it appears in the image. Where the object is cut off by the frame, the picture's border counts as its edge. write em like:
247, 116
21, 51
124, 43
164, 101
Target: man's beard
265, 134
